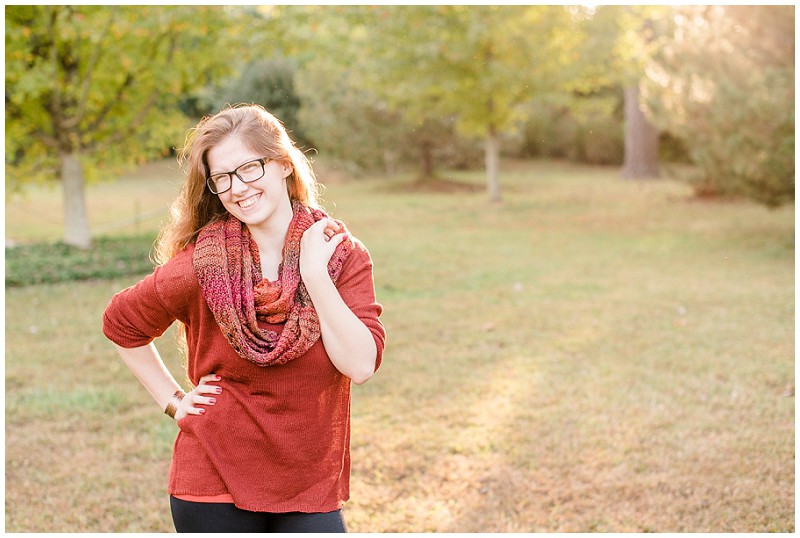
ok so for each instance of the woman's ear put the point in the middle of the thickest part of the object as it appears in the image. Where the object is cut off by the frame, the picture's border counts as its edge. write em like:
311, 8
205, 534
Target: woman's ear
287, 169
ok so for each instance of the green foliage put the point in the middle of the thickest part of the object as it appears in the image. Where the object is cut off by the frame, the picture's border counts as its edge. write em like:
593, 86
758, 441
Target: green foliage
581, 129
621, 42
104, 82
109, 257
342, 115
397, 84
478, 64
347, 122
724, 84
350, 123
267, 82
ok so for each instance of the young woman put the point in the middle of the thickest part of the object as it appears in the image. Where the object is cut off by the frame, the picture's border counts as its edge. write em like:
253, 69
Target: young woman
276, 303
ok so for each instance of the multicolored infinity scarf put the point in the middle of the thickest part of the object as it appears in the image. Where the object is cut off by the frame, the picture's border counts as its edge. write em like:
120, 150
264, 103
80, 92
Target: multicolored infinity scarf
228, 266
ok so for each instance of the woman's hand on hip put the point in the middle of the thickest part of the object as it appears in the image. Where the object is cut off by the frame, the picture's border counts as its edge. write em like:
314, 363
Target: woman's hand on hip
202, 395
317, 246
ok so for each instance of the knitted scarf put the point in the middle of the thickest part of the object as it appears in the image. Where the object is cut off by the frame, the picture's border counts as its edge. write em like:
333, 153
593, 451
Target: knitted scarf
228, 267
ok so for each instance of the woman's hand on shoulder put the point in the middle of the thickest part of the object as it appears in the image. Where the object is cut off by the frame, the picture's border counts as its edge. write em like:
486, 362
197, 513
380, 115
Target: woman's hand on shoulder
195, 401
317, 246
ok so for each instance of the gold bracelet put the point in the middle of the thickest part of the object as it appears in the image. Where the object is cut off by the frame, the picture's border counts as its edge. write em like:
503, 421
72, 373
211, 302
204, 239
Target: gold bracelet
172, 406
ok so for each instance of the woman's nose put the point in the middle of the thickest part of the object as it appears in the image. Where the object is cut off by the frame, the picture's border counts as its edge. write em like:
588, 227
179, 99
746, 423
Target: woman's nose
237, 185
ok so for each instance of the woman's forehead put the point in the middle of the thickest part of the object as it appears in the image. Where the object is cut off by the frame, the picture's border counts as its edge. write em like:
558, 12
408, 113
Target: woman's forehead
230, 153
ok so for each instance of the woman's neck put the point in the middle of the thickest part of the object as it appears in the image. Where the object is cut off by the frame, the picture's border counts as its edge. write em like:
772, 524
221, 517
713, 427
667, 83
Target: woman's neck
270, 238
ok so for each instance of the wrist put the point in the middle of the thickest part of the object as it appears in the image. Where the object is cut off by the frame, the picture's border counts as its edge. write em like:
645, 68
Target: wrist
313, 277
172, 405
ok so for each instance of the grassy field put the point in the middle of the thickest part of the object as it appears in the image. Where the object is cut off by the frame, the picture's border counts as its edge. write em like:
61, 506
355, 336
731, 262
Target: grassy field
135, 203
591, 355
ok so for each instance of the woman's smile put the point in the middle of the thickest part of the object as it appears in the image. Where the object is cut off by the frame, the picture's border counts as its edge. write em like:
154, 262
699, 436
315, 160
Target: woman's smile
250, 201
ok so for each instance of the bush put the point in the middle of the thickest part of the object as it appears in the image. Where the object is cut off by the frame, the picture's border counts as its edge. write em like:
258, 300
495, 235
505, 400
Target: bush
730, 99
350, 124
587, 130
109, 257
266, 82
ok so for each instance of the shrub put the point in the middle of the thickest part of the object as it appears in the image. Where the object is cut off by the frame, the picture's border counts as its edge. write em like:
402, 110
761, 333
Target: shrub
587, 130
723, 83
109, 257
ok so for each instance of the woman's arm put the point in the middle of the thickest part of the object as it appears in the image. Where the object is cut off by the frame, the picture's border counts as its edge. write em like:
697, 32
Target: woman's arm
149, 369
348, 342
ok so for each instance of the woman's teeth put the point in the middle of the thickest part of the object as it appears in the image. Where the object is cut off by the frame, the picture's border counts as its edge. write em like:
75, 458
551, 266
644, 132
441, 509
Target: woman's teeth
244, 204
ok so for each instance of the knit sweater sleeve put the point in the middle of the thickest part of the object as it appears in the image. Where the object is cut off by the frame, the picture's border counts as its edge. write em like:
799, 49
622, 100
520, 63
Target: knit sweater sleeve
357, 288
137, 315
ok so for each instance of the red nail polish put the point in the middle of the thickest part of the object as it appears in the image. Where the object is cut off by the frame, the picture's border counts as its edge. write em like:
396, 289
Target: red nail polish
217, 377
212, 400
202, 411
219, 390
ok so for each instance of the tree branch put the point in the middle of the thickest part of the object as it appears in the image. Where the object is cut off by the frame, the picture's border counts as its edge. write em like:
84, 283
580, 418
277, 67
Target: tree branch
46, 139
127, 83
55, 102
87, 79
101, 116
138, 118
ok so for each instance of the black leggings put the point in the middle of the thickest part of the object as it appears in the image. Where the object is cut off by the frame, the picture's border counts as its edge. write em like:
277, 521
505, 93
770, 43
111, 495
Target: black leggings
225, 517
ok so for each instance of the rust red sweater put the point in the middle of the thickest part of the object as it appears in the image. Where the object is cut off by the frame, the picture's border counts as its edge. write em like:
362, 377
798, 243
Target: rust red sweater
278, 438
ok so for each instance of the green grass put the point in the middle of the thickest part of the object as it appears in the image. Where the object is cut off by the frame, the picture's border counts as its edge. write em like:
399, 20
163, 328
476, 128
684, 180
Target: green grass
591, 355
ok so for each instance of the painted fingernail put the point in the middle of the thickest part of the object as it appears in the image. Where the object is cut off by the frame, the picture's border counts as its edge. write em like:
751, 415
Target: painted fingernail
202, 411
217, 377
219, 390
212, 400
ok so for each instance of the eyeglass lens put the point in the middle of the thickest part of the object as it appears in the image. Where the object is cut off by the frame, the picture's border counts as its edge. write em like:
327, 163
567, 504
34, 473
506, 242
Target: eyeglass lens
248, 172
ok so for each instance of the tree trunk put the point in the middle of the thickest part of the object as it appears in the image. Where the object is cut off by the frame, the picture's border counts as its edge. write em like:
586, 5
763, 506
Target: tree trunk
76, 223
427, 170
641, 140
389, 161
492, 151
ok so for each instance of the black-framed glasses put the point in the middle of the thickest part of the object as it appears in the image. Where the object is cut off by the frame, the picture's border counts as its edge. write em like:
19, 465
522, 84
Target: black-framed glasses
247, 172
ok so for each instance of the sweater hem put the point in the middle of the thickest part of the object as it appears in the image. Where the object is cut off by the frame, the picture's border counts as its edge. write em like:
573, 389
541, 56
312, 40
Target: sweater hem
274, 508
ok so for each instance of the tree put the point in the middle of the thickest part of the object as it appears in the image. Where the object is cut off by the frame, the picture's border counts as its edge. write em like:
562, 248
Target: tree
90, 88
346, 121
615, 55
641, 139
344, 117
724, 84
269, 82
476, 64
641, 136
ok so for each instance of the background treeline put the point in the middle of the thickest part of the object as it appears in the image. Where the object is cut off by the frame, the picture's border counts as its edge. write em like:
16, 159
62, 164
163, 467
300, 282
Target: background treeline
90, 89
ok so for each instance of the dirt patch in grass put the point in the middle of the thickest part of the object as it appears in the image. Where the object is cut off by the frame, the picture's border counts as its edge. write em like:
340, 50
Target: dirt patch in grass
438, 185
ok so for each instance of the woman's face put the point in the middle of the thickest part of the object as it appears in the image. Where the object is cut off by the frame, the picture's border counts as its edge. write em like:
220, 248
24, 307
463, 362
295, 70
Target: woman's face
259, 203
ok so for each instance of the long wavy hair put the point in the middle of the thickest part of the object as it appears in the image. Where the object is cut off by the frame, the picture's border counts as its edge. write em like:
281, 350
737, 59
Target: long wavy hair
196, 206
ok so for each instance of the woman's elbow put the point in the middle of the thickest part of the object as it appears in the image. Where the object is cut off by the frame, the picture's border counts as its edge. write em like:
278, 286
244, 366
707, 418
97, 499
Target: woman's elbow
362, 359
361, 378
364, 372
